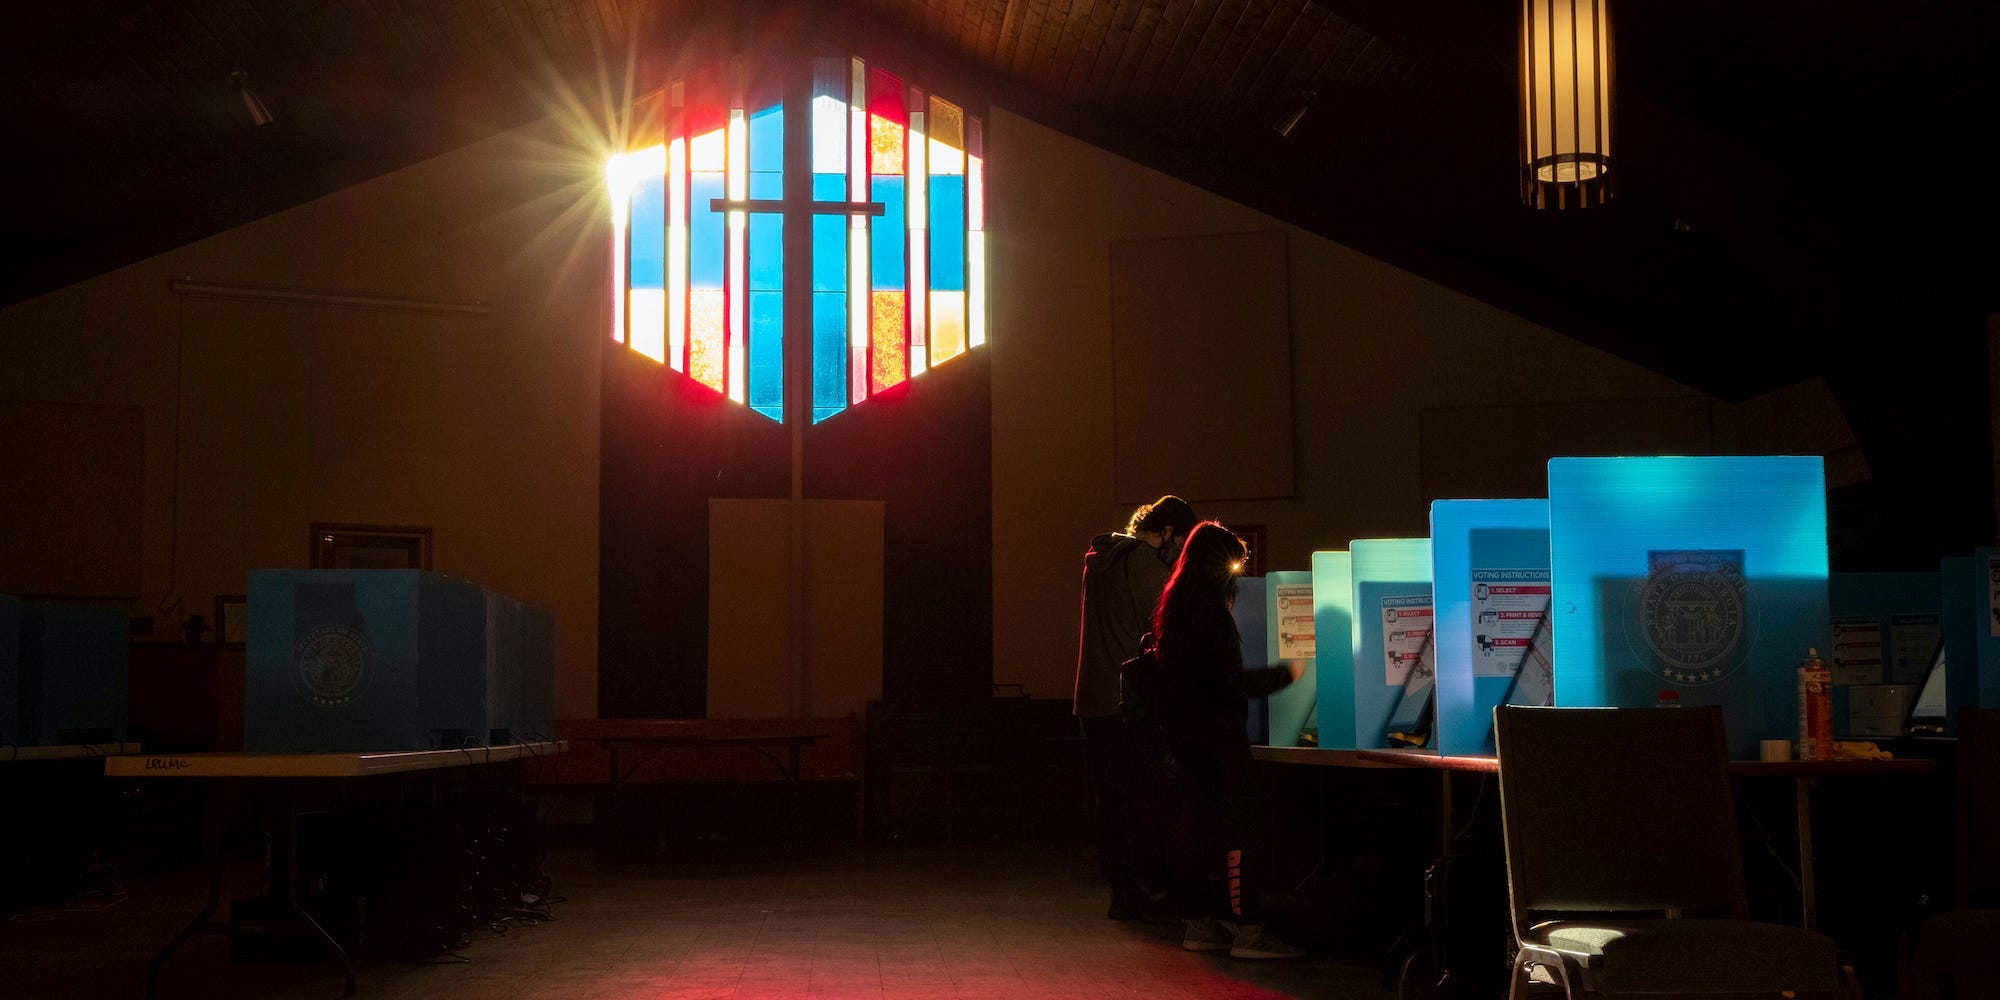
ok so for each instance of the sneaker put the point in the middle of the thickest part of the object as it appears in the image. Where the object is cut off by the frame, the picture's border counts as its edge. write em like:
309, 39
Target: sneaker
1208, 934
1253, 941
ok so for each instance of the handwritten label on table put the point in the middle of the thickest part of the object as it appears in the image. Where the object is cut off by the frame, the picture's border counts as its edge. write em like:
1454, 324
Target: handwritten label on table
168, 763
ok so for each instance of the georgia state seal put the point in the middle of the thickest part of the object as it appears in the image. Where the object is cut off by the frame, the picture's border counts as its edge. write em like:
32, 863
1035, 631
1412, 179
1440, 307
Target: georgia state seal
1693, 615
332, 664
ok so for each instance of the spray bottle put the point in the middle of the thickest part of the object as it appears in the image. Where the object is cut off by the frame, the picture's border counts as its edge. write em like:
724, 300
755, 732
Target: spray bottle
1815, 709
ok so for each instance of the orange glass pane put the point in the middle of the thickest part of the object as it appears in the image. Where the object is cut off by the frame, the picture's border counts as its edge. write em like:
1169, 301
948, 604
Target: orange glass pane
889, 363
947, 125
705, 340
885, 146
947, 326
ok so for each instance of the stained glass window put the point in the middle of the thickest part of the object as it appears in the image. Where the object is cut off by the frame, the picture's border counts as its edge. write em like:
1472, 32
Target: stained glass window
895, 214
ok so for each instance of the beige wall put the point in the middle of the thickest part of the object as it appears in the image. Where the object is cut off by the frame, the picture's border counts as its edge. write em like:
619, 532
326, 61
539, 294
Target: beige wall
1361, 331
482, 428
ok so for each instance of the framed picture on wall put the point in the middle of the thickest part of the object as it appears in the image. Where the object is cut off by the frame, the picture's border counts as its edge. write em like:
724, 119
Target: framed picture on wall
1253, 540
370, 546
232, 620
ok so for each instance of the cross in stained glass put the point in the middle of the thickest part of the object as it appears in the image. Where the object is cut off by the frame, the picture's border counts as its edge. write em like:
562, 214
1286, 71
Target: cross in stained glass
896, 239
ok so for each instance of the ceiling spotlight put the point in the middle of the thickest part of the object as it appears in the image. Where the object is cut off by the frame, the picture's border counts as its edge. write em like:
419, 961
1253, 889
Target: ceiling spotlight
259, 114
1286, 124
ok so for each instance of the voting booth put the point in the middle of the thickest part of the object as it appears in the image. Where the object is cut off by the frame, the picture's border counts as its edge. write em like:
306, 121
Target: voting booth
537, 678
1986, 635
10, 670
1253, 632
364, 660
1491, 581
1964, 595
1701, 579
70, 672
1393, 619
1289, 635
504, 663
1884, 635
1333, 666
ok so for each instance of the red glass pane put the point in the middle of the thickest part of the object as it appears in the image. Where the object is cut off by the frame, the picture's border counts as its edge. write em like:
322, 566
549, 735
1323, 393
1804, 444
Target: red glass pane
885, 97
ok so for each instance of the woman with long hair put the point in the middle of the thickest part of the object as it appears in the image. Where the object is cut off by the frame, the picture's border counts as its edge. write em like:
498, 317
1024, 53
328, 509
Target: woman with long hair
1208, 693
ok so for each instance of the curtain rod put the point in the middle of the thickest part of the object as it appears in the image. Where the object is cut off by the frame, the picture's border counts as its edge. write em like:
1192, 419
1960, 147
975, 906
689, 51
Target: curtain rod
255, 293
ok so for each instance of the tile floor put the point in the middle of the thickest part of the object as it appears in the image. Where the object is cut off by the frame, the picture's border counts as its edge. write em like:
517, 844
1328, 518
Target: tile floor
906, 923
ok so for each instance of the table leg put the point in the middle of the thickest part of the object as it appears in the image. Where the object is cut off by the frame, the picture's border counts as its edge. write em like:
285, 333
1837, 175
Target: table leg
610, 833
1808, 892
211, 850
792, 777
285, 885
1447, 831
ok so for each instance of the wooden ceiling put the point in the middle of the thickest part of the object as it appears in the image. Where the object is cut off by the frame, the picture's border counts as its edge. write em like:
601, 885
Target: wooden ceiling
1778, 158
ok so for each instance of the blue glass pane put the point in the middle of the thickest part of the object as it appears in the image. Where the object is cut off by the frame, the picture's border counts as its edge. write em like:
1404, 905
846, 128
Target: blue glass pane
705, 244
767, 353
829, 253
829, 187
649, 233
947, 233
829, 355
767, 251
767, 184
767, 140
886, 243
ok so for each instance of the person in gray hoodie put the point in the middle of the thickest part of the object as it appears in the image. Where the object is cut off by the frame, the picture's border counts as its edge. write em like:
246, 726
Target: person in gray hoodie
1123, 574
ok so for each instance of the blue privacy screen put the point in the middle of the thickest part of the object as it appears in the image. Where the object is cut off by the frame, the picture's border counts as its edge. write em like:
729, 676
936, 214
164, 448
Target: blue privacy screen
1392, 618
1704, 577
1289, 631
363, 660
1251, 629
1490, 572
1333, 667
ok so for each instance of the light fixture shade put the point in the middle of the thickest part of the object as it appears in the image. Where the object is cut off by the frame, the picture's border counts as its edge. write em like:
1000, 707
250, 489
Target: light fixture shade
1565, 103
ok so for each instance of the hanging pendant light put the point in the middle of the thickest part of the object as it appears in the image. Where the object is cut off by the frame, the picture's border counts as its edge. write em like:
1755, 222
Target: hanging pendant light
1565, 103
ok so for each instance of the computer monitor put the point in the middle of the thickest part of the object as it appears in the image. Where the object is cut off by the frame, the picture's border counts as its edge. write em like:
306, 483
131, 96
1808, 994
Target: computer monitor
1410, 723
1535, 679
1928, 714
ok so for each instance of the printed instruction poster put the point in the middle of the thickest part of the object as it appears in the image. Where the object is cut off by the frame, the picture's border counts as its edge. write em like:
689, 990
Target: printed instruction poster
1914, 639
1857, 651
1295, 621
1507, 605
1406, 623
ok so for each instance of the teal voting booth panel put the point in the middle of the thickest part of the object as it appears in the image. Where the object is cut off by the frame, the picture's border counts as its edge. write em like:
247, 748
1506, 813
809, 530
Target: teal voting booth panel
1289, 631
1252, 631
1986, 564
10, 670
1705, 577
71, 674
350, 660
1392, 618
503, 669
1333, 664
538, 674
1490, 576
1962, 592
1886, 628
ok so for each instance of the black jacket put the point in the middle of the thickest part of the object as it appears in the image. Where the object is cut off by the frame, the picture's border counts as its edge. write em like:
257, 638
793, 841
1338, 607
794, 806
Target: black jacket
1209, 690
